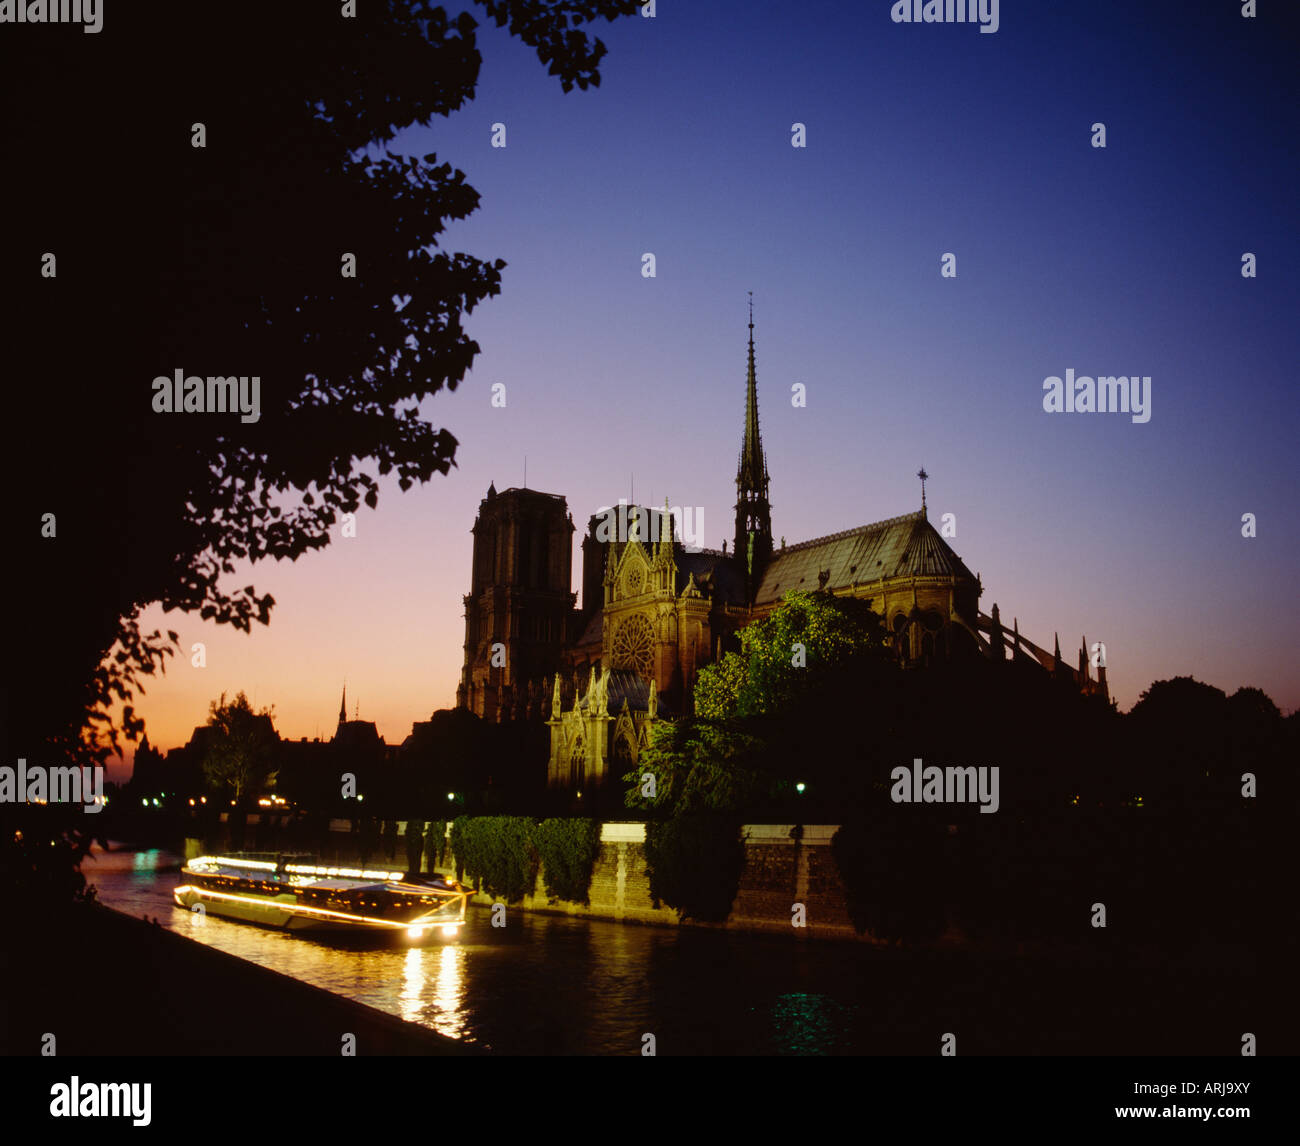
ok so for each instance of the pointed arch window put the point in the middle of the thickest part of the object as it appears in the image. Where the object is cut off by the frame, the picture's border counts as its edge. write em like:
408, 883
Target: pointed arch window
578, 764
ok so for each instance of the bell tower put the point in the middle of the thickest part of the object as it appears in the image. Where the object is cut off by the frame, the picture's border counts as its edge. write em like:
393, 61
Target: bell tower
517, 609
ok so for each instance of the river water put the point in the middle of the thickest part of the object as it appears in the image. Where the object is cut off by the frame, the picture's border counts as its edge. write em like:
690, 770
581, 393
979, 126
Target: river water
542, 984
558, 985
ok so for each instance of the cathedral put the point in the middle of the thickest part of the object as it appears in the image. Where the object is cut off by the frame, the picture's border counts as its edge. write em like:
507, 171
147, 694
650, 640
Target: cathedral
655, 611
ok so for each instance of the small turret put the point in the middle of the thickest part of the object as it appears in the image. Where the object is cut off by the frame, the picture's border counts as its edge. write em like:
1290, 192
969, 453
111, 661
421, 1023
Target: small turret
997, 640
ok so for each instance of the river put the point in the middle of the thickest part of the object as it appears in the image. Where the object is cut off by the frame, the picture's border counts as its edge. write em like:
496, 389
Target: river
542, 984
554, 984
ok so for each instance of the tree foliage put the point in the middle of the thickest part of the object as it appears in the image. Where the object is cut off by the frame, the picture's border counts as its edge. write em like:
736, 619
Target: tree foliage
751, 707
502, 855
435, 845
240, 749
793, 651
694, 863
698, 766
568, 848
225, 260
41, 850
496, 853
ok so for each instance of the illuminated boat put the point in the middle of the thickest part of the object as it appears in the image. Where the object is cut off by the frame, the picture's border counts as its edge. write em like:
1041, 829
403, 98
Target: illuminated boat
287, 892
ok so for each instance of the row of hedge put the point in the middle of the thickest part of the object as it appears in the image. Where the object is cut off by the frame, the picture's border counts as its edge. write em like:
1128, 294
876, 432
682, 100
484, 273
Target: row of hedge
501, 855
693, 861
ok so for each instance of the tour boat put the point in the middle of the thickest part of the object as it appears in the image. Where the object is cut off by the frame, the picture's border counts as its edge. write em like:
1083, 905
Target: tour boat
283, 891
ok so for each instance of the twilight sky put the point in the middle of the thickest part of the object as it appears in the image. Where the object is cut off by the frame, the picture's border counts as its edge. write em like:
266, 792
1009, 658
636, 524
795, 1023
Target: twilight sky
922, 139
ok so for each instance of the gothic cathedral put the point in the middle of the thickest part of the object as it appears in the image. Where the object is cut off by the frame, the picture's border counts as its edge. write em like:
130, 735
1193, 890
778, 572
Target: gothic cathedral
654, 611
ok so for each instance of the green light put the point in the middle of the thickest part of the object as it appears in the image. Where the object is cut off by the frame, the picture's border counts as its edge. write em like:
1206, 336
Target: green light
798, 787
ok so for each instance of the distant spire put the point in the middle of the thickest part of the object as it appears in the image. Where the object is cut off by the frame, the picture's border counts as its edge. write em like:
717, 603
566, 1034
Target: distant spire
924, 477
343, 705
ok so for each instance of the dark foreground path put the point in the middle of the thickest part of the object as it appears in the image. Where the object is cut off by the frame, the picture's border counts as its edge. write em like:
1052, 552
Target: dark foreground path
106, 984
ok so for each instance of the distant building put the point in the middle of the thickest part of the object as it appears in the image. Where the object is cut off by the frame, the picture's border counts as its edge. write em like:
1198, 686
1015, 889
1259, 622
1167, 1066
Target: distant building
357, 737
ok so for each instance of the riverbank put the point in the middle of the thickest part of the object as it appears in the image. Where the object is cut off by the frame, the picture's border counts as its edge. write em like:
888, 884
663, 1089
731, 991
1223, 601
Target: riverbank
103, 983
789, 886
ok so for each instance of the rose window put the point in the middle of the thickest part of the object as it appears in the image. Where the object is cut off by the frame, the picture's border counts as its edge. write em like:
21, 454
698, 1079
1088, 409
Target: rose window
634, 580
633, 645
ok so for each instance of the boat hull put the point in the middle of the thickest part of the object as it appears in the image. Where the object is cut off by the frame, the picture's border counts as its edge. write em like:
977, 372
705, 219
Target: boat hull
303, 898
268, 912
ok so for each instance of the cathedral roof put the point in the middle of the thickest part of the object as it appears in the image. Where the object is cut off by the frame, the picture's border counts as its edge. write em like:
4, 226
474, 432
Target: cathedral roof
907, 546
594, 631
625, 684
716, 574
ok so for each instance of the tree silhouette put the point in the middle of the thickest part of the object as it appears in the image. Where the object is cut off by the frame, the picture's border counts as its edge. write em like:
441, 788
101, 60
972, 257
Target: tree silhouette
226, 260
240, 748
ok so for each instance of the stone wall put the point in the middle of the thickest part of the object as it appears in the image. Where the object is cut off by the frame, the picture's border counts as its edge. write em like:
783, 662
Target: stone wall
778, 873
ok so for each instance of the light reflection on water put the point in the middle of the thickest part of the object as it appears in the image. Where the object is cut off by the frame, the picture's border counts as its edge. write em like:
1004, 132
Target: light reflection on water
540, 985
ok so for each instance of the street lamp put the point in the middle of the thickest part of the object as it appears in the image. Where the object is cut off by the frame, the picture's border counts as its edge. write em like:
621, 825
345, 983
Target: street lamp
799, 788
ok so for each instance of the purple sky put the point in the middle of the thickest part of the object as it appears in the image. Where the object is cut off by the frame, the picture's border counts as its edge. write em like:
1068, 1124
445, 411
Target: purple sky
921, 140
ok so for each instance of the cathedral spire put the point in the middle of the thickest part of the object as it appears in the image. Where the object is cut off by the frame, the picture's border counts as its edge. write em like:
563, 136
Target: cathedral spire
343, 706
752, 472
753, 513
